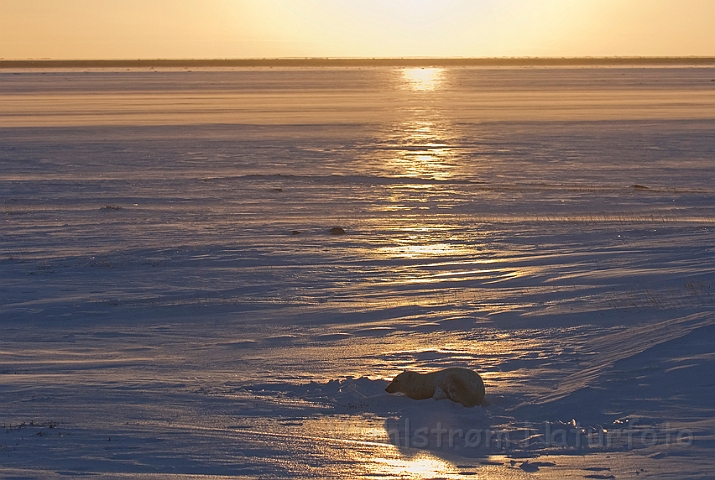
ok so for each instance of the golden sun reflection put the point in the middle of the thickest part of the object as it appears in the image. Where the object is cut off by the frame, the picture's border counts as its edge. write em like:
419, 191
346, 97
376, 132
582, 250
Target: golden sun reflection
421, 466
414, 249
423, 150
423, 79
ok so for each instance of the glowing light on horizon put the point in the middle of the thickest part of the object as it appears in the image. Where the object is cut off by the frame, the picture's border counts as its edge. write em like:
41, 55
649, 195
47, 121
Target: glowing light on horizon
83, 29
423, 79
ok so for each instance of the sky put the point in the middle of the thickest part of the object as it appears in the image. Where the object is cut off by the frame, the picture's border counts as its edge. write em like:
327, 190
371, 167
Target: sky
130, 29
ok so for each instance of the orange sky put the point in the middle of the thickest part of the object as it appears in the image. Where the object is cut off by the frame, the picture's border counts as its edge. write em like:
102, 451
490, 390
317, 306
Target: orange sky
111, 29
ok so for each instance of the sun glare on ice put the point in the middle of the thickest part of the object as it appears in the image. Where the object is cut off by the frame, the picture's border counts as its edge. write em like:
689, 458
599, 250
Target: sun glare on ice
423, 79
422, 466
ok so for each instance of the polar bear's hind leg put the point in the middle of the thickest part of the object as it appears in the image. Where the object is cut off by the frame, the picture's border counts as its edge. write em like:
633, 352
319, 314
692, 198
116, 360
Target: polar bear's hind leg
460, 391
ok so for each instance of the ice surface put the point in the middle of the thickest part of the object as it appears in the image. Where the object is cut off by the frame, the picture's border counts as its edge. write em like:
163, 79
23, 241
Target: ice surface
173, 303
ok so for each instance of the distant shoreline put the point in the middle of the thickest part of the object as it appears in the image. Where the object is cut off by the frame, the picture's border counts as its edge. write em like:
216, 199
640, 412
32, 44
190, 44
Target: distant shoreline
360, 62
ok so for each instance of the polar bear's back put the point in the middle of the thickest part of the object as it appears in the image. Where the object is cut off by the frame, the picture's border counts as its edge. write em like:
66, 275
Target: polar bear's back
461, 385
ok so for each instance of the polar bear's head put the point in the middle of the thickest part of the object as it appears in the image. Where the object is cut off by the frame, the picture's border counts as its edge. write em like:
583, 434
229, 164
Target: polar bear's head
402, 383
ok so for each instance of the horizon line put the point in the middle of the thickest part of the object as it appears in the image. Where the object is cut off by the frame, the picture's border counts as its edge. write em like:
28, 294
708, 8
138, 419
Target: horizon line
356, 62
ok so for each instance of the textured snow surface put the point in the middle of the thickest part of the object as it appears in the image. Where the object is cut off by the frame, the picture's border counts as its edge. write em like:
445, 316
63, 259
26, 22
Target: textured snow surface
174, 303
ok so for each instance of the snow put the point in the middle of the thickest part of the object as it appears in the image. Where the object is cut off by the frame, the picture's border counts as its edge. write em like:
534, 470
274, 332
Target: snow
173, 302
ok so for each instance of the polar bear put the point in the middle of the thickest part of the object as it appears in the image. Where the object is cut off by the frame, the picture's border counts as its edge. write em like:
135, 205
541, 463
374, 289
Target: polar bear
460, 385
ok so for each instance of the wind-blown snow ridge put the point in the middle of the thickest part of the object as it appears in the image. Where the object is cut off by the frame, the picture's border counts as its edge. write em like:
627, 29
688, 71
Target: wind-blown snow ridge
611, 348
